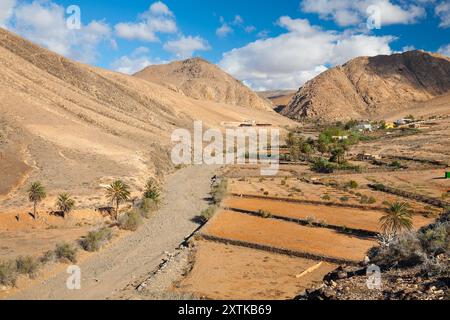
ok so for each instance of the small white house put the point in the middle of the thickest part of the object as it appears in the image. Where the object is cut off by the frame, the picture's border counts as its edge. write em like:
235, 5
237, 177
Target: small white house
364, 127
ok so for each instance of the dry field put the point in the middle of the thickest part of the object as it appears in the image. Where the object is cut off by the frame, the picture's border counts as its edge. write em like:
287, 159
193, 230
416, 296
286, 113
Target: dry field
336, 216
241, 273
289, 236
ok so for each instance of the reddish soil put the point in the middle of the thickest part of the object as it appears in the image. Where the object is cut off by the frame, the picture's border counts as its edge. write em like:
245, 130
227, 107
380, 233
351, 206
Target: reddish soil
288, 235
231, 272
348, 217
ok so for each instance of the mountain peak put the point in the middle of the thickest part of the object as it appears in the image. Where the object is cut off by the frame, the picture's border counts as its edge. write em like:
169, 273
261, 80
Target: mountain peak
199, 79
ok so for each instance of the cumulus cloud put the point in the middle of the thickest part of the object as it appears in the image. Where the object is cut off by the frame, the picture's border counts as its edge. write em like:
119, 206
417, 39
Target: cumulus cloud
445, 50
294, 57
136, 61
354, 12
443, 11
184, 47
227, 28
44, 22
6, 11
157, 19
224, 30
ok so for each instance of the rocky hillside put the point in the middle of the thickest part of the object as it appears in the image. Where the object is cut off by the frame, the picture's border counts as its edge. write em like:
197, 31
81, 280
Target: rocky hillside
199, 79
75, 127
369, 87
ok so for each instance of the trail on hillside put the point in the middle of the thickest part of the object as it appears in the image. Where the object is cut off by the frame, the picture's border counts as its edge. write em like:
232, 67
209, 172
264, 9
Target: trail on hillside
139, 253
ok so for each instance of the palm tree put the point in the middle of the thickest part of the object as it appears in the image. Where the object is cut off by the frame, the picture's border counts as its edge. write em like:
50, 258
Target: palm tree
117, 193
397, 218
65, 203
151, 190
36, 193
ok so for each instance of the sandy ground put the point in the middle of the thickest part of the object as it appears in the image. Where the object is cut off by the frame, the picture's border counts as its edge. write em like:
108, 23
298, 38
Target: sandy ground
287, 235
110, 270
231, 272
348, 217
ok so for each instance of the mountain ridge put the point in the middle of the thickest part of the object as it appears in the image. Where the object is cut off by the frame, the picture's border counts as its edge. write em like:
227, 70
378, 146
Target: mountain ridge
367, 87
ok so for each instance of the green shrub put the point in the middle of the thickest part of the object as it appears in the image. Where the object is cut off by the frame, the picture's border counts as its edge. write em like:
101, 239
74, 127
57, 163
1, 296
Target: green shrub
8, 273
352, 184
266, 193
66, 251
265, 214
130, 221
322, 166
372, 200
207, 214
344, 199
27, 265
96, 239
435, 239
326, 197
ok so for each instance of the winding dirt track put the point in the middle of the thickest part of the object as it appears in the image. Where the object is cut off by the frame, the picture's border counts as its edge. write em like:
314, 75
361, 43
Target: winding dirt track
139, 253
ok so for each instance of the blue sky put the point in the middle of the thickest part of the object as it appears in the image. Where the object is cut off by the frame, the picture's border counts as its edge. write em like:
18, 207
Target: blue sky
267, 44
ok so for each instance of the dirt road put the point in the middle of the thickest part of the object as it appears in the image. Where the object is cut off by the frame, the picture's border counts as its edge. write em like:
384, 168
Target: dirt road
139, 253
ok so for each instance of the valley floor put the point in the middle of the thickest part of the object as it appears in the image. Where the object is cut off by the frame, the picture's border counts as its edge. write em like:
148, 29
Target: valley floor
133, 257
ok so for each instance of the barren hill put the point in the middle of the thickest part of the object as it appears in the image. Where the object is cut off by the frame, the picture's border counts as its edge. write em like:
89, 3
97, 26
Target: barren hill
75, 127
371, 87
199, 79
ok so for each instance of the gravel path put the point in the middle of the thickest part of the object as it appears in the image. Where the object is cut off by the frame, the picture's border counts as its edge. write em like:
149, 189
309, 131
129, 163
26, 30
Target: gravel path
112, 269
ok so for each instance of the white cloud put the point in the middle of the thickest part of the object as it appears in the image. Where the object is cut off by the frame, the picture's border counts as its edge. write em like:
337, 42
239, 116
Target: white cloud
292, 58
157, 19
445, 50
224, 30
6, 11
238, 20
250, 29
185, 47
227, 28
136, 61
443, 11
354, 12
44, 22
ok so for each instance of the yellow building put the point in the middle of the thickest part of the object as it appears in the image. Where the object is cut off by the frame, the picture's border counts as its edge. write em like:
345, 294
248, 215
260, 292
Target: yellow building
389, 125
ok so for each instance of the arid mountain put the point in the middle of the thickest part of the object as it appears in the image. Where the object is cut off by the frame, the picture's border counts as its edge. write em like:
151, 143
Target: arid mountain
75, 127
199, 79
371, 87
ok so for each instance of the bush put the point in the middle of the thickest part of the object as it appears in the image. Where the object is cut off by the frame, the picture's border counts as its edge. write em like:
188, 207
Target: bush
130, 221
48, 257
219, 191
326, 197
207, 214
435, 239
147, 207
352, 184
344, 199
66, 251
404, 251
8, 273
265, 214
322, 166
96, 239
27, 265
